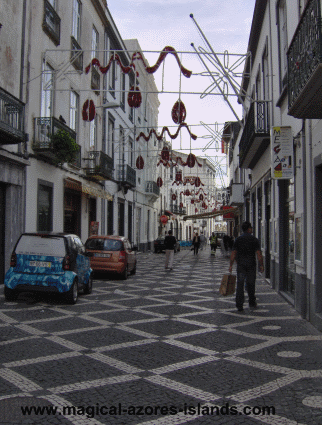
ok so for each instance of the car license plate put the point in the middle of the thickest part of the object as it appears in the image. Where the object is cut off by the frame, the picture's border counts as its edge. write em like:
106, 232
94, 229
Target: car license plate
40, 264
102, 255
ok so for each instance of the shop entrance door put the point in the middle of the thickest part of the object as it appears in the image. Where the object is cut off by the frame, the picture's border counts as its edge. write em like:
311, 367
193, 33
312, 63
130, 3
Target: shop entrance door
2, 231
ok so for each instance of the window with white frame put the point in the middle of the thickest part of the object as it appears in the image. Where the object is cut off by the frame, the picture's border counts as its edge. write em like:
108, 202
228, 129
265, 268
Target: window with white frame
46, 108
131, 152
110, 139
282, 40
95, 47
92, 135
76, 20
73, 111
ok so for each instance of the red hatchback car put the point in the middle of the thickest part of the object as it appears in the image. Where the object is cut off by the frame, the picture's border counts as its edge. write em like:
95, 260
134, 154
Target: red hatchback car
111, 254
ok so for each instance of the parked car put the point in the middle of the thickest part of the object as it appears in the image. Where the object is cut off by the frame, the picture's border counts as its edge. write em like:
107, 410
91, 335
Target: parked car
49, 262
159, 245
111, 254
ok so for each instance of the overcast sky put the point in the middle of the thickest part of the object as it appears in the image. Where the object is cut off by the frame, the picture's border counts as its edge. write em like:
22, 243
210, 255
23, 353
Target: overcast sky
159, 23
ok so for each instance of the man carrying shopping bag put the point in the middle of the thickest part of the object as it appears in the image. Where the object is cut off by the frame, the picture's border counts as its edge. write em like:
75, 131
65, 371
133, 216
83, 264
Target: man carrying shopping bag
244, 250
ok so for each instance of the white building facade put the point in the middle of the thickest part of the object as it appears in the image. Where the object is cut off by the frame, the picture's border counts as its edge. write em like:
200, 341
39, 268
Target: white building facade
65, 81
281, 178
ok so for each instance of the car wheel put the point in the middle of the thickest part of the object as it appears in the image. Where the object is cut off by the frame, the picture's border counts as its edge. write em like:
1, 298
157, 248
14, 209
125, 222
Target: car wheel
72, 294
125, 273
10, 294
89, 287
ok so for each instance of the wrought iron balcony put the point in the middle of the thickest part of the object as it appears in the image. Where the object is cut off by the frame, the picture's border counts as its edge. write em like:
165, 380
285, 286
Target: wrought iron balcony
76, 56
256, 134
44, 129
176, 209
100, 166
51, 23
305, 65
12, 115
126, 175
152, 188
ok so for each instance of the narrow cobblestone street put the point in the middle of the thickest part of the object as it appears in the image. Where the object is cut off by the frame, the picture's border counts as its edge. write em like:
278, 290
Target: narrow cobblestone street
163, 340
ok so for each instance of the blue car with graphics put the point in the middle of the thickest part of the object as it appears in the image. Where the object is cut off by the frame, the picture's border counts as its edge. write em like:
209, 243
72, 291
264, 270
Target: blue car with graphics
49, 262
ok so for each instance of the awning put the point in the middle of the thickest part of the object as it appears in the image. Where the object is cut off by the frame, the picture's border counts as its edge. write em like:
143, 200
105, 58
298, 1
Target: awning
88, 190
211, 214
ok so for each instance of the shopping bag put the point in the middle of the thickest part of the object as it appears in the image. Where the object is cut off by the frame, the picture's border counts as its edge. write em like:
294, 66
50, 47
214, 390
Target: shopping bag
228, 284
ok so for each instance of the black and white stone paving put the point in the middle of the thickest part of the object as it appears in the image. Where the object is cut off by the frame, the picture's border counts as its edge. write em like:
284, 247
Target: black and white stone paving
161, 348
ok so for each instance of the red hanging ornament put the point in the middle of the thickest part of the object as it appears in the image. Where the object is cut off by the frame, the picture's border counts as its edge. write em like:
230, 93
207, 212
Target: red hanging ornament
134, 98
181, 205
191, 160
192, 201
174, 196
204, 205
201, 197
140, 163
179, 177
178, 112
88, 111
159, 182
187, 192
165, 154
197, 182
196, 210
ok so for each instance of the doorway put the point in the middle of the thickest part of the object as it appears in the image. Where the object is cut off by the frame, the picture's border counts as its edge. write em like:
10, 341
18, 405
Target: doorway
318, 237
2, 231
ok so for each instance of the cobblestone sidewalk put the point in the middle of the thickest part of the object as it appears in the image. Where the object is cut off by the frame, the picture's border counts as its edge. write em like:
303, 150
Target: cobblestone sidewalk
161, 348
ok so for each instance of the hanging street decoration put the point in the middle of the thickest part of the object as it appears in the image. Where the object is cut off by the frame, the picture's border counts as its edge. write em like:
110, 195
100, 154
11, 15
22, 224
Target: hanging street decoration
140, 163
134, 97
166, 160
194, 181
162, 56
174, 196
159, 182
88, 111
178, 112
166, 130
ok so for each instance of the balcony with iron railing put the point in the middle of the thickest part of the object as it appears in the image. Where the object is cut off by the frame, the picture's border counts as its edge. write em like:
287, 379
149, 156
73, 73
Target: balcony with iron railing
304, 61
12, 115
100, 166
126, 176
256, 134
51, 23
151, 188
44, 129
176, 209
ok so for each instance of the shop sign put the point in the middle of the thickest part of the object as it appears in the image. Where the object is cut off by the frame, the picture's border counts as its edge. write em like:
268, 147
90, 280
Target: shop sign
282, 153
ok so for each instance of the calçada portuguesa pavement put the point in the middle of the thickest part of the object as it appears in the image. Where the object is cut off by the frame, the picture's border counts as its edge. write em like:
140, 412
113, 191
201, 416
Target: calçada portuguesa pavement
162, 347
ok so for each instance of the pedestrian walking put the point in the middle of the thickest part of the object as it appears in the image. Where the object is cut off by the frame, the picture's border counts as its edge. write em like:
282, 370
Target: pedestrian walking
213, 244
169, 244
202, 241
245, 250
196, 243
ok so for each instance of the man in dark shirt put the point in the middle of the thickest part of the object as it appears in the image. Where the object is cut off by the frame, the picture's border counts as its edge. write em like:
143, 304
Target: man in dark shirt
169, 244
244, 250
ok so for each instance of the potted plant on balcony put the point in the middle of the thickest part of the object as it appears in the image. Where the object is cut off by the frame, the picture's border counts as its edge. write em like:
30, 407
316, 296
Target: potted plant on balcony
64, 146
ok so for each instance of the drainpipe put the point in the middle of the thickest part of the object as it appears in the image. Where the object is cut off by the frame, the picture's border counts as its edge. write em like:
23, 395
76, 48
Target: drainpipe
22, 62
305, 300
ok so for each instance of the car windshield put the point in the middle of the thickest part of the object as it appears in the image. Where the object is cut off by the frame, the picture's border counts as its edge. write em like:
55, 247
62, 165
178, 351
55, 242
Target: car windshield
41, 245
97, 244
